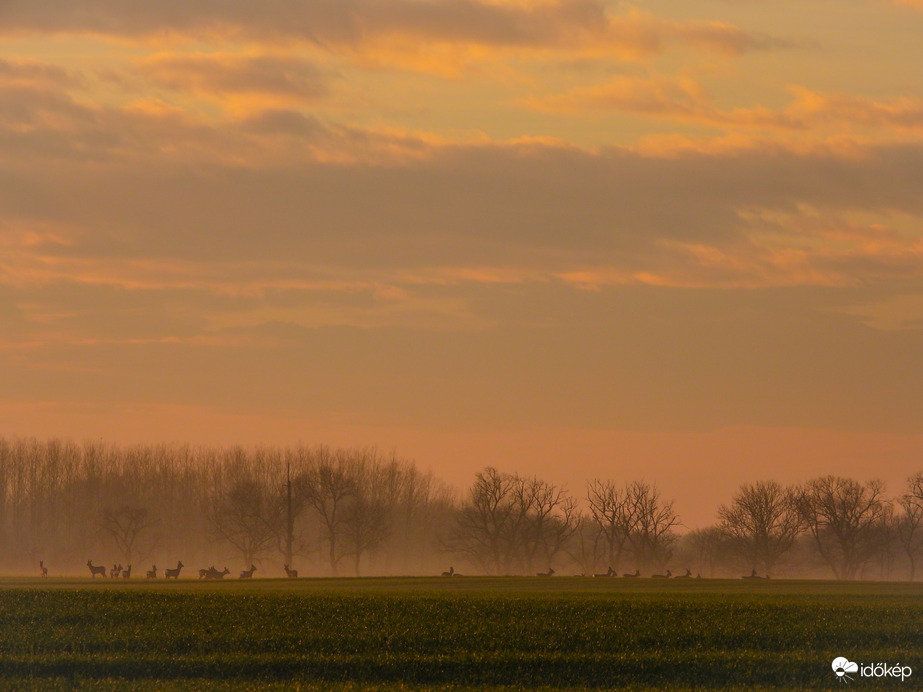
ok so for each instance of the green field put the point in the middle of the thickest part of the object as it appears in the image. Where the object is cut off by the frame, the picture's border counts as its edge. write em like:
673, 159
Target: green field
460, 633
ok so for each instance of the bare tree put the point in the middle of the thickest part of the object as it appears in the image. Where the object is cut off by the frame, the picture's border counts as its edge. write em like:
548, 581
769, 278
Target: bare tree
125, 525
328, 486
247, 517
651, 525
611, 512
484, 522
844, 518
510, 523
709, 547
587, 547
910, 523
762, 522
365, 527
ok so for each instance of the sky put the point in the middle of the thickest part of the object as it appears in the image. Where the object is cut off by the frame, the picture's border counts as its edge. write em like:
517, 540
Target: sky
661, 240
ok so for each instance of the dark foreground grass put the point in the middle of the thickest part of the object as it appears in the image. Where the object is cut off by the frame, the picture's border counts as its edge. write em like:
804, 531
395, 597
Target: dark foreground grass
426, 634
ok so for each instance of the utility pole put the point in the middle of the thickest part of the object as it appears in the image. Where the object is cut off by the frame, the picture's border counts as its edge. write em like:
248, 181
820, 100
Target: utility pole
289, 520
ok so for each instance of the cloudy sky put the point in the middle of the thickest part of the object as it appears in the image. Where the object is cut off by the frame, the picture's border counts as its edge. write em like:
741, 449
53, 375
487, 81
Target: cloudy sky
671, 240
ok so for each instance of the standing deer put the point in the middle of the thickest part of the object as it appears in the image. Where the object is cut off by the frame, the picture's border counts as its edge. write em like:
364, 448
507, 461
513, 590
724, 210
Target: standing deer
152, 572
248, 573
126, 574
207, 573
115, 571
96, 569
450, 572
291, 573
41, 566
219, 575
545, 574
167, 573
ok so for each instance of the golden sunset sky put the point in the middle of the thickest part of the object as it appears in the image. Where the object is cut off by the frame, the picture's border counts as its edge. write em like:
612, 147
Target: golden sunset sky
671, 240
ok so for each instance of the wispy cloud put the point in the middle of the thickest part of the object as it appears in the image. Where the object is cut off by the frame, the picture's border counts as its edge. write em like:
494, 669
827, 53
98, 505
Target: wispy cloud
280, 77
685, 99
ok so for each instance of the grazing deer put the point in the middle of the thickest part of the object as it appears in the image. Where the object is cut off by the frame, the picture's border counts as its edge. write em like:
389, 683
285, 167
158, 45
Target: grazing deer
687, 575
291, 573
41, 566
632, 576
248, 573
126, 574
662, 576
610, 573
545, 574
450, 572
167, 573
96, 569
754, 575
152, 572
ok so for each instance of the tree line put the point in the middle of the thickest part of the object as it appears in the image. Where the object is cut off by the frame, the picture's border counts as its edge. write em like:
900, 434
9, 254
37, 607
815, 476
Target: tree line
359, 511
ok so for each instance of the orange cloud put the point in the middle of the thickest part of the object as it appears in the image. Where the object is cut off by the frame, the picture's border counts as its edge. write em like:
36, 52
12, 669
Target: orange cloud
684, 99
271, 78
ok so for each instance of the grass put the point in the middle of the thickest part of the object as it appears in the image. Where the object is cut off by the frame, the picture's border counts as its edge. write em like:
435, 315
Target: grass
467, 633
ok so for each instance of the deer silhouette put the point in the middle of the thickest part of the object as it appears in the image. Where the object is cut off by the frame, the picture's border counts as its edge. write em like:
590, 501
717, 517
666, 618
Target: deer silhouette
291, 573
632, 576
42, 568
126, 574
167, 573
610, 573
754, 575
115, 571
204, 573
96, 569
662, 576
248, 573
221, 575
687, 575
152, 572
450, 572
545, 574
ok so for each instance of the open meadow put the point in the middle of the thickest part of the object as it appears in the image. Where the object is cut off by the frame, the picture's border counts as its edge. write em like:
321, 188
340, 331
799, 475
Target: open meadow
458, 633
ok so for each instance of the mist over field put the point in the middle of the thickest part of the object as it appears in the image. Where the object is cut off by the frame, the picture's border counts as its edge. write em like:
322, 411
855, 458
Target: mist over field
357, 512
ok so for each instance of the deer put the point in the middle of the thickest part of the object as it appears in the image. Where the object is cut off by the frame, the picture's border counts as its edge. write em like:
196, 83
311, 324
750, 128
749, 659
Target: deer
167, 573
152, 572
450, 572
207, 573
610, 573
41, 566
96, 569
126, 574
291, 573
248, 573
754, 575
633, 576
545, 574
662, 576
220, 575
115, 571
687, 575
